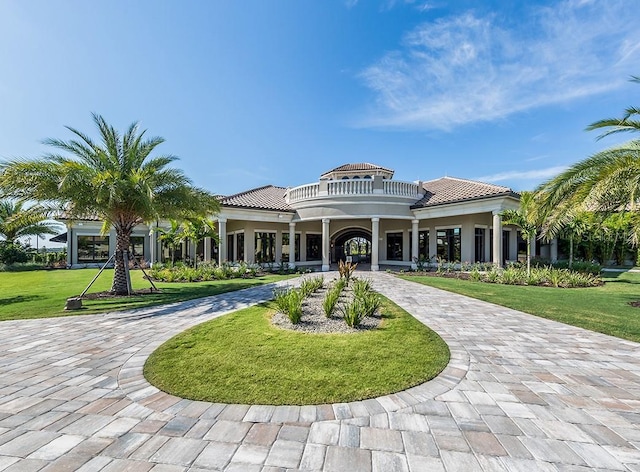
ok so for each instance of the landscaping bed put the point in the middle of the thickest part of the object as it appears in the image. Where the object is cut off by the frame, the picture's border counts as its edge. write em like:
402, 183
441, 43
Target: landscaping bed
257, 356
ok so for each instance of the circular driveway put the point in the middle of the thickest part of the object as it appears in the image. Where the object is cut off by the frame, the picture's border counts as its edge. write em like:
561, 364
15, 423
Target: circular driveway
520, 393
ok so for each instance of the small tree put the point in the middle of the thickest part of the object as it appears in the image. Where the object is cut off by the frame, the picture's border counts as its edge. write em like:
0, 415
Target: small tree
527, 218
172, 237
197, 229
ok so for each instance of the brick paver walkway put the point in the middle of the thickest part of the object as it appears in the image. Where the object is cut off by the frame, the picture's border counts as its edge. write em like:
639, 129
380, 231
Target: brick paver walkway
521, 393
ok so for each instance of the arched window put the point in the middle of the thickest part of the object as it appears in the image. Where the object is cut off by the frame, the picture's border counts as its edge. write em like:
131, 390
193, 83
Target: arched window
355, 177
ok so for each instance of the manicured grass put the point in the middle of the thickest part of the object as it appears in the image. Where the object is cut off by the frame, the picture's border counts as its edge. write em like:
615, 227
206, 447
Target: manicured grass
42, 293
242, 358
604, 309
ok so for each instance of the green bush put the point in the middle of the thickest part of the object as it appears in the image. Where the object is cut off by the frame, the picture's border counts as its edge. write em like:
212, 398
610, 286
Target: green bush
310, 285
369, 303
12, 253
361, 287
353, 313
289, 302
331, 299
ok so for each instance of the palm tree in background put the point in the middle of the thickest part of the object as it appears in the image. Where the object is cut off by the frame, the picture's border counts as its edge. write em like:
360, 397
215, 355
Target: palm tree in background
114, 179
528, 218
607, 182
16, 221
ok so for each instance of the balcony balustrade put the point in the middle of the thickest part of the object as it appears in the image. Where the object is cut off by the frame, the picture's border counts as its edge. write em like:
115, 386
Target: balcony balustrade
354, 187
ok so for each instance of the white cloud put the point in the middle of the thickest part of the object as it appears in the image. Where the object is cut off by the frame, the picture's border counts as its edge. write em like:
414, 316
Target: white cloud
538, 174
470, 68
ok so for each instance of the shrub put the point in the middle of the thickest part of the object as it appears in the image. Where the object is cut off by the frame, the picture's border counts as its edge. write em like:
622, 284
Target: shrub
346, 270
369, 302
361, 287
475, 275
330, 301
12, 253
310, 285
353, 313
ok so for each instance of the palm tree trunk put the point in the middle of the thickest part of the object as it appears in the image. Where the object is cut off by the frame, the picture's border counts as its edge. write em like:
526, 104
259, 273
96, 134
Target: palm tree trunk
528, 257
121, 281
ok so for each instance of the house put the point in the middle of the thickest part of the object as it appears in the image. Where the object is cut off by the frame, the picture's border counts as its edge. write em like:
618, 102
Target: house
354, 212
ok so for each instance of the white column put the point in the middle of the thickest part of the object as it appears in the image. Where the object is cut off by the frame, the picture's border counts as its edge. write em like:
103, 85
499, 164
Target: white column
375, 235
207, 249
153, 246
497, 239
292, 245
414, 243
325, 244
70, 246
222, 234
554, 250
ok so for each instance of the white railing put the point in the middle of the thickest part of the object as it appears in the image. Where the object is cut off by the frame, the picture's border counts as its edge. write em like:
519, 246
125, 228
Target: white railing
350, 187
304, 192
338, 188
403, 189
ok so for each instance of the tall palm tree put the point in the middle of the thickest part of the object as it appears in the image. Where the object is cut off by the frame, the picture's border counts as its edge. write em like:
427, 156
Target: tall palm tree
16, 221
619, 125
114, 179
607, 182
527, 218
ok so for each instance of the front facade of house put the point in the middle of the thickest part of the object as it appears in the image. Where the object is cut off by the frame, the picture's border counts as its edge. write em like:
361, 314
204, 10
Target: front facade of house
355, 212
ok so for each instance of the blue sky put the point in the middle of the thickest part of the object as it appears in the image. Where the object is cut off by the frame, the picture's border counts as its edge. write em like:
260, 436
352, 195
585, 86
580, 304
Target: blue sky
253, 92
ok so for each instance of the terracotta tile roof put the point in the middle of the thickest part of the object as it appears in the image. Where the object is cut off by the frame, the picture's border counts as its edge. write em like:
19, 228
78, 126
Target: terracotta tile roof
358, 166
268, 197
451, 190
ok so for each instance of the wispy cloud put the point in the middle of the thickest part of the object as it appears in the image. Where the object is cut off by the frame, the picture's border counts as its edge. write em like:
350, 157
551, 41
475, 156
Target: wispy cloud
537, 174
471, 68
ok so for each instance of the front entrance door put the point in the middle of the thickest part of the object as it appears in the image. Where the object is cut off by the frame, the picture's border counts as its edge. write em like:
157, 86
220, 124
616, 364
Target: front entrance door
353, 245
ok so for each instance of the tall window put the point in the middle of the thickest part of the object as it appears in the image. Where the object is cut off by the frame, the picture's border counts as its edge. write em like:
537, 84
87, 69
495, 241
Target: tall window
314, 247
93, 248
230, 251
394, 246
423, 244
286, 247
480, 243
449, 244
136, 246
240, 244
265, 247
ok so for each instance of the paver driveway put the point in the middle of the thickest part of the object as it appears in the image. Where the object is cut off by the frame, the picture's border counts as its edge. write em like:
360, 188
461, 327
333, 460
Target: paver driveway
520, 393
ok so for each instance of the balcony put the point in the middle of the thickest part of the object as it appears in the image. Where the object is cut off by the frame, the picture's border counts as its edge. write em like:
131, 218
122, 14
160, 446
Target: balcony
344, 189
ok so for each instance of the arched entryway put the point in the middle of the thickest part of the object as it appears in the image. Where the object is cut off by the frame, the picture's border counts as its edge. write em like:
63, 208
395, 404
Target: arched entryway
354, 243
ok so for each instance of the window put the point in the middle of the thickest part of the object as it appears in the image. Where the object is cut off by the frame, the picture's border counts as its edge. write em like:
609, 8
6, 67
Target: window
480, 243
136, 246
286, 247
93, 248
240, 244
449, 244
230, 252
314, 247
265, 247
394, 246
423, 245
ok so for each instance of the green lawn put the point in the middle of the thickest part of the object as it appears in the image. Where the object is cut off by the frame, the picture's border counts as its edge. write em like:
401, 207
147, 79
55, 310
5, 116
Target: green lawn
242, 358
42, 293
604, 309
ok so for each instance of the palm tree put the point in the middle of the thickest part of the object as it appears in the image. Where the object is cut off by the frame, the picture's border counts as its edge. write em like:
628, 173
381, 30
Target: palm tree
607, 182
197, 229
114, 179
17, 221
527, 218
172, 237
569, 223
619, 125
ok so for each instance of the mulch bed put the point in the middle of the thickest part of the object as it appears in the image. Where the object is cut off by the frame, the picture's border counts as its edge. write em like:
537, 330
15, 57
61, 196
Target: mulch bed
103, 295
